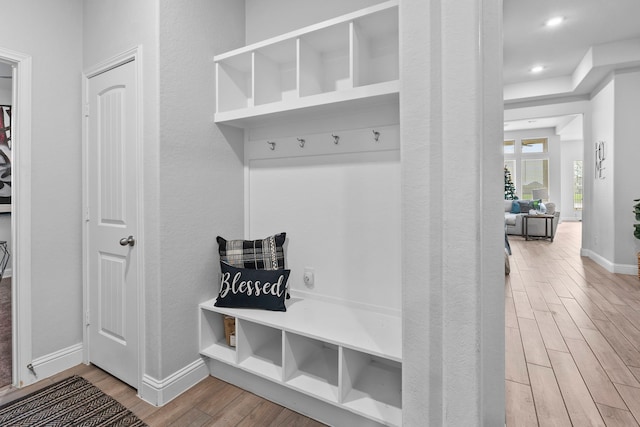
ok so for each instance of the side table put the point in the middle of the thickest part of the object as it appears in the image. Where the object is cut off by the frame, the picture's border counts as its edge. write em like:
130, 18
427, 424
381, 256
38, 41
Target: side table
548, 220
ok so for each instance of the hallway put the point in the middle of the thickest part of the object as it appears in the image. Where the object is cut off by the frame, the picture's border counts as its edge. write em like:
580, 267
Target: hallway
572, 337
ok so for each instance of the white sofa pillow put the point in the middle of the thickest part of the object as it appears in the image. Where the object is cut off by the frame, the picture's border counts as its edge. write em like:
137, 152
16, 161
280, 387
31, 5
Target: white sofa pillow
543, 208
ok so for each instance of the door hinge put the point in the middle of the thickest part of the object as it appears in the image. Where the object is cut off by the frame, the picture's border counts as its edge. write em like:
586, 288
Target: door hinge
87, 318
86, 214
85, 110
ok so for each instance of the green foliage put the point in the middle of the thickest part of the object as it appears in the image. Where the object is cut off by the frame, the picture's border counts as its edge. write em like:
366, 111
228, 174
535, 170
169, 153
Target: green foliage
636, 211
509, 188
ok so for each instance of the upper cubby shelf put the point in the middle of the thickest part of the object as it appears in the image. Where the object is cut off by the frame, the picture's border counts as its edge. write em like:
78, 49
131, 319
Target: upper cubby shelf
334, 65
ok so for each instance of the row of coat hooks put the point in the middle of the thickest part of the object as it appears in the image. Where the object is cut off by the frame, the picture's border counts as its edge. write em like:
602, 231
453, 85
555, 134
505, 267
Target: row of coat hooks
336, 140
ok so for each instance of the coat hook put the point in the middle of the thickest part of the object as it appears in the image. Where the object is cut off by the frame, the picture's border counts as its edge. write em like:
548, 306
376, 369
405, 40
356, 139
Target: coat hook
336, 139
376, 135
272, 144
301, 141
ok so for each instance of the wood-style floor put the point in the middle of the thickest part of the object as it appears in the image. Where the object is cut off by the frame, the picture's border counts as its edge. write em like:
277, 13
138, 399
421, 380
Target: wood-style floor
210, 403
572, 337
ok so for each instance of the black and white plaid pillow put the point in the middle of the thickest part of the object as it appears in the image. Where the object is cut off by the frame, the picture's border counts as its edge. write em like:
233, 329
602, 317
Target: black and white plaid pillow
264, 254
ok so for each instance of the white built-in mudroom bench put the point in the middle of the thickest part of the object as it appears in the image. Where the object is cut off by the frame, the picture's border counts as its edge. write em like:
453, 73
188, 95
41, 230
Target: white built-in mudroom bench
317, 108
344, 356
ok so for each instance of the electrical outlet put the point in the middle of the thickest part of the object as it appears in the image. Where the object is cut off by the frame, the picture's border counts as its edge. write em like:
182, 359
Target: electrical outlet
309, 277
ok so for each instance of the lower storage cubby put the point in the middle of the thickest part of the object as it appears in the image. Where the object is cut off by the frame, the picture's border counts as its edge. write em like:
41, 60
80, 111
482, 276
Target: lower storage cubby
357, 370
213, 342
259, 349
372, 386
311, 366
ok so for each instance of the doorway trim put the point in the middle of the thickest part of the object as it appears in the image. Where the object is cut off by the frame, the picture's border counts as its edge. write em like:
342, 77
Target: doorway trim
132, 55
21, 215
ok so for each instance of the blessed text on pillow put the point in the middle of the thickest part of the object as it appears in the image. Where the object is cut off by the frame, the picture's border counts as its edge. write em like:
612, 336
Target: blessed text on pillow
248, 288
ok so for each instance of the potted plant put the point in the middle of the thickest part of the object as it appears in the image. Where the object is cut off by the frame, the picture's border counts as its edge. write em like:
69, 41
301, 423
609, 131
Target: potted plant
636, 231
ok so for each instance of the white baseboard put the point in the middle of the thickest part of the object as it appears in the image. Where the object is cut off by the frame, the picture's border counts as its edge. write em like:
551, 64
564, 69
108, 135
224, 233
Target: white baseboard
56, 362
630, 269
570, 219
160, 392
7, 272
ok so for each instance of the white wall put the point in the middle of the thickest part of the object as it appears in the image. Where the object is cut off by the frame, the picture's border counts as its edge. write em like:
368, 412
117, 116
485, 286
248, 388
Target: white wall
274, 17
570, 151
615, 110
41, 30
626, 167
340, 212
201, 168
602, 196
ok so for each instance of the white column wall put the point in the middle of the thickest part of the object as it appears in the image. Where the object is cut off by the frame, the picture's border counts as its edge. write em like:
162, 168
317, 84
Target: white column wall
626, 169
601, 237
453, 285
201, 168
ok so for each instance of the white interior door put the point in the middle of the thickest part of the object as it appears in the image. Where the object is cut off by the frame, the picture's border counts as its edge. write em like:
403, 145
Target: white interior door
113, 203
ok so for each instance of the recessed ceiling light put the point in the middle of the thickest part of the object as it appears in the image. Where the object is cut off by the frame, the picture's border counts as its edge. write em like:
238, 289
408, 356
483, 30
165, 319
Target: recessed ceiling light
556, 20
537, 69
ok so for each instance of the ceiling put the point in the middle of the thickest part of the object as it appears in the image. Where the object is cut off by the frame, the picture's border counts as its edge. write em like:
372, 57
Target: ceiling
596, 37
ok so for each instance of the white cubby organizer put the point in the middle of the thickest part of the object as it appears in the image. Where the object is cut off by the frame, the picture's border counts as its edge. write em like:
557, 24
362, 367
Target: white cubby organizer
345, 356
340, 350
338, 64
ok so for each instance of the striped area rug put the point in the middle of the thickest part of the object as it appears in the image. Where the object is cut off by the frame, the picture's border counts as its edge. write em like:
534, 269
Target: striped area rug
71, 402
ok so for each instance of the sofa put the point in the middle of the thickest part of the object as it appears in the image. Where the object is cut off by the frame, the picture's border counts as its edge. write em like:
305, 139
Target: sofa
513, 217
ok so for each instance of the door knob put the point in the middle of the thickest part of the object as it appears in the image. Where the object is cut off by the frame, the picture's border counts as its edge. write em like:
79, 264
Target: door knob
127, 241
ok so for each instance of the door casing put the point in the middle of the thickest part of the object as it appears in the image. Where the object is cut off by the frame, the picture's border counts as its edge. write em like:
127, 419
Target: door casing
21, 216
134, 55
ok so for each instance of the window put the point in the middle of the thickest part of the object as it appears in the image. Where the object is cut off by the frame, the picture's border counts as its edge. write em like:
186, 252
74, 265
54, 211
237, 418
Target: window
511, 165
537, 145
577, 185
510, 147
528, 161
535, 176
